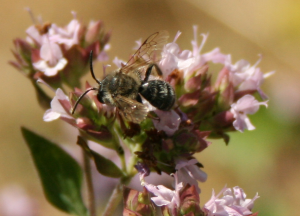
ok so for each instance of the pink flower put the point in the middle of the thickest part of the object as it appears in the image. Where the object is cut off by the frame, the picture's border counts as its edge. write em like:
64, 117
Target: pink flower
68, 35
58, 107
52, 59
164, 196
214, 56
189, 172
61, 108
231, 204
188, 61
245, 105
168, 121
246, 77
34, 36
170, 58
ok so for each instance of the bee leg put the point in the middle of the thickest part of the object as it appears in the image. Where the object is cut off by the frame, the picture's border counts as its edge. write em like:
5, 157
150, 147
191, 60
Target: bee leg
149, 70
139, 99
149, 115
130, 131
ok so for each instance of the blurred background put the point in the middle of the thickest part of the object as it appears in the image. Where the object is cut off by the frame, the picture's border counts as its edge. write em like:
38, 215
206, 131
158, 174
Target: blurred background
265, 160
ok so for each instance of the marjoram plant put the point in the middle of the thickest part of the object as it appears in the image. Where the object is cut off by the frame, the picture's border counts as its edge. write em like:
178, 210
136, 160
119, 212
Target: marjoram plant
207, 105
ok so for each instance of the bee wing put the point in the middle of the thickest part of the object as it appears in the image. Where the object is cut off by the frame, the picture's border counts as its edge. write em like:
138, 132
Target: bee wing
149, 51
130, 109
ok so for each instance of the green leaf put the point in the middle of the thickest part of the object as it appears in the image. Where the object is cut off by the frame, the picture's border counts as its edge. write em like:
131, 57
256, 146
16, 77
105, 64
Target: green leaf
104, 166
60, 174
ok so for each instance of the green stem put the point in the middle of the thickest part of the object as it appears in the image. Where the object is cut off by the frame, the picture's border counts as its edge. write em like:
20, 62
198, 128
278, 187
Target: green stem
119, 150
133, 160
89, 182
127, 168
114, 200
116, 196
123, 162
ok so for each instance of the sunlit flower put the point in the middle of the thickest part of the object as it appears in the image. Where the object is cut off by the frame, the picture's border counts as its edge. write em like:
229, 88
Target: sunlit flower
60, 106
59, 55
188, 61
244, 106
231, 204
246, 77
68, 35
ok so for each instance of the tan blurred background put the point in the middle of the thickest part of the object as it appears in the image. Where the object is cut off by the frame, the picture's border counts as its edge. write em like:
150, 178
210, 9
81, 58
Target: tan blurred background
265, 160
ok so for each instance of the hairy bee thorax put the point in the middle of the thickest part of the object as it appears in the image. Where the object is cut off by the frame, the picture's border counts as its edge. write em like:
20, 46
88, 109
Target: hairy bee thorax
116, 84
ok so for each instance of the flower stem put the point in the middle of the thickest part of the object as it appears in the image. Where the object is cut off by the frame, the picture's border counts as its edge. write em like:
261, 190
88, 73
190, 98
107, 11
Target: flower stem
114, 200
123, 162
89, 182
116, 196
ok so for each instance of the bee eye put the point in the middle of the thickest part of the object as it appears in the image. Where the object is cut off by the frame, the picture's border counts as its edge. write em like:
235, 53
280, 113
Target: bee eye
100, 96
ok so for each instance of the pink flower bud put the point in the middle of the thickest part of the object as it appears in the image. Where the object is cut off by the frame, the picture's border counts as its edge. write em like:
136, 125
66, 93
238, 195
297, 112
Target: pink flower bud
92, 32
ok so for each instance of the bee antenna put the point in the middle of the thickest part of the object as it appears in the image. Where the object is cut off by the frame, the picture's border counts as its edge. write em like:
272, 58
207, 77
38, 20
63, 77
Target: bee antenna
91, 67
81, 96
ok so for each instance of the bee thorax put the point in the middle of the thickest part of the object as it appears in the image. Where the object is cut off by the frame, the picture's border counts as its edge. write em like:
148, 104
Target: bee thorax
117, 84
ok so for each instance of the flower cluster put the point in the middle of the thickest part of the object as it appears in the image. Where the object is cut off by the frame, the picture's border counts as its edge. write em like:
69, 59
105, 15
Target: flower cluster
57, 55
207, 106
204, 109
185, 201
232, 203
217, 107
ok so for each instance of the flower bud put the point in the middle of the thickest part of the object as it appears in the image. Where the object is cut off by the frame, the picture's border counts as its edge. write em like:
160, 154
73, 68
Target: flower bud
137, 202
92, 32
189, 199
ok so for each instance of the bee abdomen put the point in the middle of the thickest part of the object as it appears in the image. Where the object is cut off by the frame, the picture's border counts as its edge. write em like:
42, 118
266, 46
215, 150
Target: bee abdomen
159, 93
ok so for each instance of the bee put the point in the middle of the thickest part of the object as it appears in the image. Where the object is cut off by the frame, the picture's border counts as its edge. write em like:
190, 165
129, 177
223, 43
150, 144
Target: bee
124, 87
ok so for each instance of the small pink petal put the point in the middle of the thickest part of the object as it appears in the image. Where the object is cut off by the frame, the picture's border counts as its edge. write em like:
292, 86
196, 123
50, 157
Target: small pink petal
50, 52
159, 201
168, 121
50, 115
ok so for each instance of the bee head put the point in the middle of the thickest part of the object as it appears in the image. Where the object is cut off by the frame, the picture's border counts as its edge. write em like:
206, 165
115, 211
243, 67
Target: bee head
101, 93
